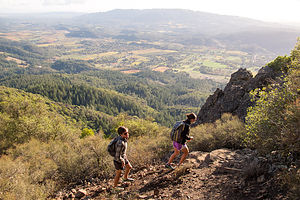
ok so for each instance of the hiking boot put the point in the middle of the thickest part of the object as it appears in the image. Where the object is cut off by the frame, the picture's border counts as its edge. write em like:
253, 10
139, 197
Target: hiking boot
169, 166
129, 179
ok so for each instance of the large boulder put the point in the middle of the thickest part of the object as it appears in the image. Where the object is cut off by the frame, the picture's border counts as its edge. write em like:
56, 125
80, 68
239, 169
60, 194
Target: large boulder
235, 97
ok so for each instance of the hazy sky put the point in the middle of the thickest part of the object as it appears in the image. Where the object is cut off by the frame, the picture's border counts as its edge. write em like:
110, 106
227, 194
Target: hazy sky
267, 10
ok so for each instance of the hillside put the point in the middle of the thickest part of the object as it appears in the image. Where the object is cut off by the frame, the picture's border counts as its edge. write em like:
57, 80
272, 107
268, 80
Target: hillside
269, 171
66, 88
47, 150
220, 174
25, 116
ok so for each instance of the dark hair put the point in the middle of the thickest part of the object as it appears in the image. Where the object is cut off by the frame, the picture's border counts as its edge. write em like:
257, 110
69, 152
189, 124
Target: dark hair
191, 116
122, 129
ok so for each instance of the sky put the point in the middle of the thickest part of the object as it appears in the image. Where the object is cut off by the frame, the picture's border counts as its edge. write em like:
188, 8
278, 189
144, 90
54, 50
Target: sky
287, 11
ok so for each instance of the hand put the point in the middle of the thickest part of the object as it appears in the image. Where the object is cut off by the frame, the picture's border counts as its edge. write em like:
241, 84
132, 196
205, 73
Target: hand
129, 164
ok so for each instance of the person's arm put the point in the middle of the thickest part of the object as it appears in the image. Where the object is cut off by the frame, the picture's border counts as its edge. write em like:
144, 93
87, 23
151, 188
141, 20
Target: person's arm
186, 132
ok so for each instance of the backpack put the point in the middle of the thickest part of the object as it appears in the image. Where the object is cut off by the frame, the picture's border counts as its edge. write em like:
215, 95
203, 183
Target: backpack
111, 148
176, 131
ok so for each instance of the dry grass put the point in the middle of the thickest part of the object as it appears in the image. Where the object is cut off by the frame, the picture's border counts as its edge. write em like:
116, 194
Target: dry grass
228, 132
152, 51
132, 71
160, 69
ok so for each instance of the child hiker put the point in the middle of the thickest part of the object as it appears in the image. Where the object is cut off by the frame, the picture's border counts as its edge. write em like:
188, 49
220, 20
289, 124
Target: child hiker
179, 143
120, 158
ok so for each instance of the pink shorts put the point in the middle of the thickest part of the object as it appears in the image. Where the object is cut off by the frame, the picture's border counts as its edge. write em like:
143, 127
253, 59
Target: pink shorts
178, 145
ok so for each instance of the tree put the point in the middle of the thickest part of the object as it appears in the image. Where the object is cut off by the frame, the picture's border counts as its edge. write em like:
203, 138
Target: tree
87, 132
273, 123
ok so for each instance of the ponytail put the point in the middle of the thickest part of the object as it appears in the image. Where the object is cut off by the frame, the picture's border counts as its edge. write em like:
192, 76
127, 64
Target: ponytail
191, 116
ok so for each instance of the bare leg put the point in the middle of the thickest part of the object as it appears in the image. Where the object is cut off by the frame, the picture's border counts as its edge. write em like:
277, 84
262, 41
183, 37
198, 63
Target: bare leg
184, 155
128, 167
117, 177
176, 153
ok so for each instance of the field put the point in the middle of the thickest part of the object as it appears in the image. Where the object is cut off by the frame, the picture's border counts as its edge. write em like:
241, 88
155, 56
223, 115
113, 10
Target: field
202, 62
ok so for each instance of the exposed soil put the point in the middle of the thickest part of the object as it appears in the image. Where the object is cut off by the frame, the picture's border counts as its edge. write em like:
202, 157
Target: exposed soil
220, 174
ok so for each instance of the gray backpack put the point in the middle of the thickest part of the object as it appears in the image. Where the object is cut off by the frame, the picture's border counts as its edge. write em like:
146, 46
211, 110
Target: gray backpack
111, 148
176, 131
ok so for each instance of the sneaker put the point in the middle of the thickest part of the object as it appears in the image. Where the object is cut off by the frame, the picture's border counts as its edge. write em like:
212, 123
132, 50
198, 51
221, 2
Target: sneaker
129, 179
169, 166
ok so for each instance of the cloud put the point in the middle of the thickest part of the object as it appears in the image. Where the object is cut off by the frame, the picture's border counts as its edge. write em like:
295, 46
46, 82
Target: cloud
61, 2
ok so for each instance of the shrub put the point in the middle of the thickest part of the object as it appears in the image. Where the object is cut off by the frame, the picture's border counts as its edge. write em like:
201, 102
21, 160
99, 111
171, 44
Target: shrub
227, 132
280, 63
56, 163
87, 132
273, 123
291, 180
144, 150
148, 141
36, 156
137, 127
24, 116
43, 167
80, 159
16, 181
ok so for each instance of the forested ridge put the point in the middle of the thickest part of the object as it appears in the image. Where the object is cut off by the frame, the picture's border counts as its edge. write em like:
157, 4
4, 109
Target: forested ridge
164, 96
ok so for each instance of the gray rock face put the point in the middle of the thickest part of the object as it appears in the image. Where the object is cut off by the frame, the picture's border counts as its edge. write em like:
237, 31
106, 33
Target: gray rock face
235, 97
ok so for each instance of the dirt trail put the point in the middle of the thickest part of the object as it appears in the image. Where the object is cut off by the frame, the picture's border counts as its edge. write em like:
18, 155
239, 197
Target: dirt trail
220, 174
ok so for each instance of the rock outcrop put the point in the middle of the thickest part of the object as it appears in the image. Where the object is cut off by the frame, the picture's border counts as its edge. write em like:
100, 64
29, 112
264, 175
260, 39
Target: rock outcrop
235, 97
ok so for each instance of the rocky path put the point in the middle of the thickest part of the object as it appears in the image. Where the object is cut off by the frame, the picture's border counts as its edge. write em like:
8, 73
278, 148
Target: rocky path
220, 174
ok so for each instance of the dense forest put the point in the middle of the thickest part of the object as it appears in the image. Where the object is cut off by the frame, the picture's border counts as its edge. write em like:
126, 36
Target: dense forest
163, 96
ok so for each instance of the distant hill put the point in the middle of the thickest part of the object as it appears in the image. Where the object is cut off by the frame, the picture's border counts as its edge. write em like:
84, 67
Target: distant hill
274, 39
197, 27
42, 18
172, 19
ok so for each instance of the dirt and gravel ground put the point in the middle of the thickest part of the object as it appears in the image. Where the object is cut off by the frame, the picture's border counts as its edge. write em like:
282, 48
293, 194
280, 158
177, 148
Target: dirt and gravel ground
220, 174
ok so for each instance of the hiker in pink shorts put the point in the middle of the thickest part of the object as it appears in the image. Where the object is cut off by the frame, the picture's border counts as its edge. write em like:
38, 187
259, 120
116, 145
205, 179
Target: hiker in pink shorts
181, 145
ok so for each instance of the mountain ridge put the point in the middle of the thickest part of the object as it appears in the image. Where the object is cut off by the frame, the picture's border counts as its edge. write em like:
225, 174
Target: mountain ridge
198, 26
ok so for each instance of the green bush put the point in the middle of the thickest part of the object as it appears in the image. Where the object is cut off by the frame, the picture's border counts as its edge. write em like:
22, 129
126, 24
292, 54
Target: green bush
137, 126
148, 141
280, 63
87, 132
36, 156
273, 123
147, 149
